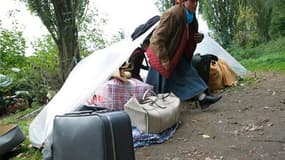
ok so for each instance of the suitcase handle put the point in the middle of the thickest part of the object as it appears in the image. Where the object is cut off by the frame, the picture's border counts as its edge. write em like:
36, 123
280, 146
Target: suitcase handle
94, 108
89, 110
79, 112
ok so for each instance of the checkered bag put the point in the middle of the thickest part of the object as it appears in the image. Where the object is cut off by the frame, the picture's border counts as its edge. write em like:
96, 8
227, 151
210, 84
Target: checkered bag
115, 93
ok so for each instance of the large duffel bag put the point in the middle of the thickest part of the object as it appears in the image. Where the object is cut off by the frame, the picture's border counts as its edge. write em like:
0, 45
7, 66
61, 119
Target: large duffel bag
203, 63
96, 135
154, 113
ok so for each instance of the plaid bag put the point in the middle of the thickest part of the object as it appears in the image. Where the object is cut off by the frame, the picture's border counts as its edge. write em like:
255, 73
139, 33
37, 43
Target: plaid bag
115, 93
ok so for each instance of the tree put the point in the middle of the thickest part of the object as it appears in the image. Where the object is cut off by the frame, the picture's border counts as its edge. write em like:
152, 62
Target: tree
221, 18
62, 18
246, 29
42, 69
163, 5
91, 35
12, 50
117, 37
277, 23
12, 60
262, 10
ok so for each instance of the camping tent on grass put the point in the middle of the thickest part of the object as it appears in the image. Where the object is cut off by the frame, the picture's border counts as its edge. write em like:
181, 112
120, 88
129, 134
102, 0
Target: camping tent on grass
93, 71
80, 86
210, 46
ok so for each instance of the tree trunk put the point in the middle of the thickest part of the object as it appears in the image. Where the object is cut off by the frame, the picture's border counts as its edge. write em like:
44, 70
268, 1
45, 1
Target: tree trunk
68, 39
68, 52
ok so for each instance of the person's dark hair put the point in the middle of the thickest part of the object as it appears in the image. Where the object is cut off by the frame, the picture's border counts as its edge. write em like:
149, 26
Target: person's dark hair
146, 41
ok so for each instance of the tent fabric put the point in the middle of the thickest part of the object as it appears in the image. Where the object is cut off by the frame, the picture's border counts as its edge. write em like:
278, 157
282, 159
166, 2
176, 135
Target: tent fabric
210, 46
81, 85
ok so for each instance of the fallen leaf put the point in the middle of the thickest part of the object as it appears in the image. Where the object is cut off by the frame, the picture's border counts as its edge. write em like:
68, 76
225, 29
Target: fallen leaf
205, 136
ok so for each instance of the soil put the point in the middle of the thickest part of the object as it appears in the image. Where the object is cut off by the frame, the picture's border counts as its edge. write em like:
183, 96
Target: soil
248, 123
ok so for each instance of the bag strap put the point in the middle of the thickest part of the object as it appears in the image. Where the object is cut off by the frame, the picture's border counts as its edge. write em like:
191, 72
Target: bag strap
149, 93
146, 62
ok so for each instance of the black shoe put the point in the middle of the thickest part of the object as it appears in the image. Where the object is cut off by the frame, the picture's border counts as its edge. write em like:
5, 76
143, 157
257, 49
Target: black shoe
208, 100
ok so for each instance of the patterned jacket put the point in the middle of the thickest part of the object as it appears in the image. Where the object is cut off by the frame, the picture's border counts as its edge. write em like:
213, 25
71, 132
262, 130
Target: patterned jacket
167, 35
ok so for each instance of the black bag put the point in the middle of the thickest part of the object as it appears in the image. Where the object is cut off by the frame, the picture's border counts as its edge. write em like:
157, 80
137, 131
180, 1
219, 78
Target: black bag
96, 135
10, 136
144, 27
202, 64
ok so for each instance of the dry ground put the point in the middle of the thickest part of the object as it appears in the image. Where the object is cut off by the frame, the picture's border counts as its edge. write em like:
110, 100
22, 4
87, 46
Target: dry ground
248, 123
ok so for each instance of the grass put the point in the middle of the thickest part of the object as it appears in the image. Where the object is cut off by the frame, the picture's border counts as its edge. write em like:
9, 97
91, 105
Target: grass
274, 63
265, 57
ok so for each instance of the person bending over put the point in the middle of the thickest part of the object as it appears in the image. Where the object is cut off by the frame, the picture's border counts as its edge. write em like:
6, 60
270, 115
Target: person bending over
170, 52
136, 59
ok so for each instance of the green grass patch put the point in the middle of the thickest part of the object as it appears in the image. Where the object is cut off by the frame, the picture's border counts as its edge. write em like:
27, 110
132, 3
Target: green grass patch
265, 57
274, 63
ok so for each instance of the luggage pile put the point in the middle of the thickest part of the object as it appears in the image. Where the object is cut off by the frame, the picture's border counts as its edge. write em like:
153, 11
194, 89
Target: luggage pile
105, 132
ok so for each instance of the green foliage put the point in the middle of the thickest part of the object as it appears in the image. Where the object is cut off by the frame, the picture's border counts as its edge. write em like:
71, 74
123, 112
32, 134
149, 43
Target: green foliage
221, 19
246, 34
12, 59
55, 18
163, 5
265, 57
37, 74
62, 19
91, 35
266, 63
244, 23
277, 27
43, 71
116, 38
12, 48
262, 10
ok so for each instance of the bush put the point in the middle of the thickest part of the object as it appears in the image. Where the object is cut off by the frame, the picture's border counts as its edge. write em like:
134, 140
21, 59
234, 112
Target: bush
267, 57
36, 74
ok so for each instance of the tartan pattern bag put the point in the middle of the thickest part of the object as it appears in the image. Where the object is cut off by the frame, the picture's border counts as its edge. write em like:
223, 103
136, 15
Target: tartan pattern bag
115, 93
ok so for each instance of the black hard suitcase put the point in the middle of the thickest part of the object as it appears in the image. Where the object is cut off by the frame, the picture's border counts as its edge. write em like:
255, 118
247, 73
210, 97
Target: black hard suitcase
91, 135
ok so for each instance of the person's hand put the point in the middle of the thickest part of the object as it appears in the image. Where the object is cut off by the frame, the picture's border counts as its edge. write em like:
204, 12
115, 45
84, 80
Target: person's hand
165, 65
198, 37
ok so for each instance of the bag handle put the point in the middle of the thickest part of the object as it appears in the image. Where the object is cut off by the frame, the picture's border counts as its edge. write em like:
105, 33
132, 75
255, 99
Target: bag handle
148, 91
154, 94
145, 99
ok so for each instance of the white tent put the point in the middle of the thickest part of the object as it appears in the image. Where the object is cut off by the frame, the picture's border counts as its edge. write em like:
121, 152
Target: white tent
93, 71
81, 84
210, 46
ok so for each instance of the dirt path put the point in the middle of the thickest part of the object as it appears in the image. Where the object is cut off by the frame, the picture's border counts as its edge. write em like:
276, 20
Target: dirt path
247, 124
